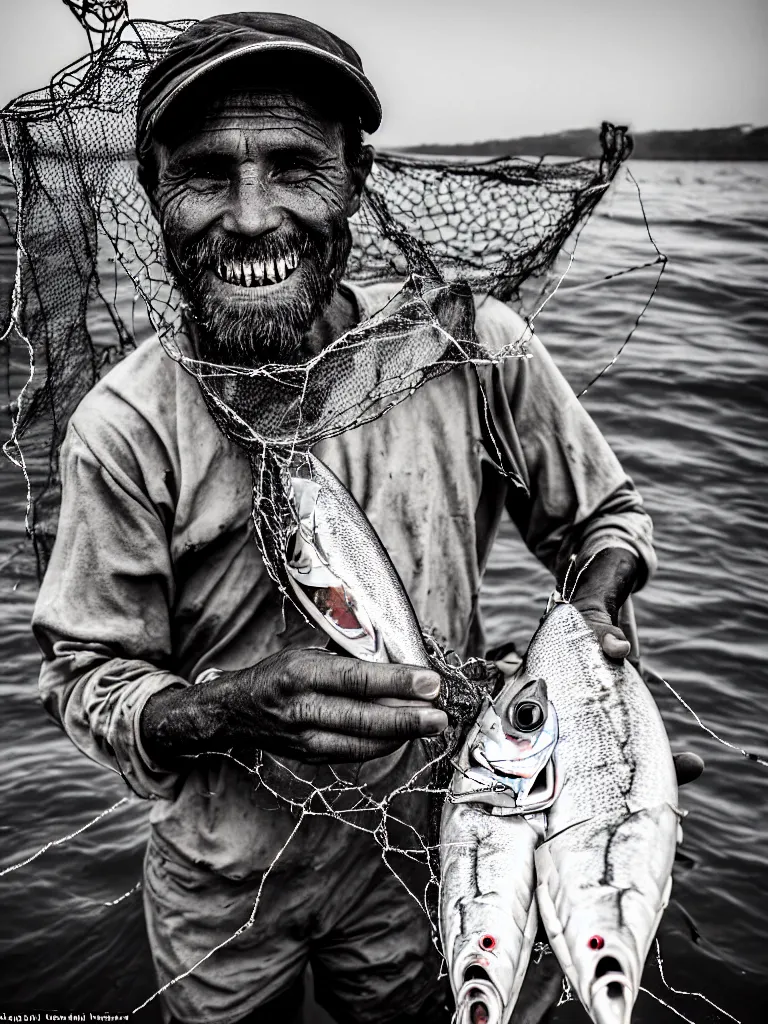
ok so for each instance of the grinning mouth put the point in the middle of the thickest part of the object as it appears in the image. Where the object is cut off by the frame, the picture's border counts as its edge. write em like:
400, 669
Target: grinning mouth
256, 273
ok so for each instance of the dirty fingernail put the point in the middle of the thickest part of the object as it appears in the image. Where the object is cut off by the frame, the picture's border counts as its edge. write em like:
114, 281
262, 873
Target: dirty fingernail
614, 647
435, 722
427, 685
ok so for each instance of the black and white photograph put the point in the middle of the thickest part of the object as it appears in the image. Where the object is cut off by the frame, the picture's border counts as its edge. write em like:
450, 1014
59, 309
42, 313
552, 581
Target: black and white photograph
383, 534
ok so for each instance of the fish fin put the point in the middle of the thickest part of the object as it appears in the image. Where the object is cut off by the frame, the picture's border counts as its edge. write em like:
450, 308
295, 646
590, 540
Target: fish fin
546, 883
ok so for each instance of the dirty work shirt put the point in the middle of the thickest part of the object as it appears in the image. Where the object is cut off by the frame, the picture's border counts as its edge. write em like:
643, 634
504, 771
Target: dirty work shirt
155, 580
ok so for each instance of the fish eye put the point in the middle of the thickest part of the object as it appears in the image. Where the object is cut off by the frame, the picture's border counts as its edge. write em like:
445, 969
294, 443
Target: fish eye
528, 716
487, 942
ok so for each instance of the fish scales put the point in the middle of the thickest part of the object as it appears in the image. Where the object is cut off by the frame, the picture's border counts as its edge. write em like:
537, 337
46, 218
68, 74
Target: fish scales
604, 869
488, 913
343, 576
594, 838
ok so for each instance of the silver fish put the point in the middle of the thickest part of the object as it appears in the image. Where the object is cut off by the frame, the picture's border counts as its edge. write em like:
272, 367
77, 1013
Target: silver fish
506, 761
488, 916
343, 577
488, 913
575, 746
604, 870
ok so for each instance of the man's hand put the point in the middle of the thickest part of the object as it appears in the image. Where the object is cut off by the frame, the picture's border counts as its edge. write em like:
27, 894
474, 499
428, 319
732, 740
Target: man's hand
603, 587
310, 705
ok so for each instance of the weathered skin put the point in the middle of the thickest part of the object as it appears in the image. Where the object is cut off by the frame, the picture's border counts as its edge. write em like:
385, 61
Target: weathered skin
604, 870
338, 552
488, 914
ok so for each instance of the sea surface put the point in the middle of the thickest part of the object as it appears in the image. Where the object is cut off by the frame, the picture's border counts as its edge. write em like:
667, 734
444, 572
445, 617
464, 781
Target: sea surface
685, 408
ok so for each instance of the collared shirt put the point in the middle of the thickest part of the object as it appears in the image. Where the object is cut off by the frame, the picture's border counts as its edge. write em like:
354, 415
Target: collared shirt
155, 577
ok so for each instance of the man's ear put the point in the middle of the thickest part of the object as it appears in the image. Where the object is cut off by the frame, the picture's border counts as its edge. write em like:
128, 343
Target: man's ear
359, 175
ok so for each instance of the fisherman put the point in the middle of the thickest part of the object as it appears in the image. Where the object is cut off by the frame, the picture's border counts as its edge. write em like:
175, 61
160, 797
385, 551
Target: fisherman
164, 639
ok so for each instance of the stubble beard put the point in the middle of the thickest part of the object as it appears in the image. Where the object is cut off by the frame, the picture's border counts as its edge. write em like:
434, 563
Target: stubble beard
270, 329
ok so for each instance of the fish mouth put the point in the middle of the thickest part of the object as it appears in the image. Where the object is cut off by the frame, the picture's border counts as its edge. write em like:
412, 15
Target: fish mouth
478, 1013
478, 1000
512, 774
611, 996
320, 592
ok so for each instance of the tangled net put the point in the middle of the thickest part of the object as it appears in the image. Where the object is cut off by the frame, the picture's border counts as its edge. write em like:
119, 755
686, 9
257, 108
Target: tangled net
82, 219
442, 229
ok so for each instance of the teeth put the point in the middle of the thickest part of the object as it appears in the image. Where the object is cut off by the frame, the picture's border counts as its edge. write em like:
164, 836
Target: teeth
257, 274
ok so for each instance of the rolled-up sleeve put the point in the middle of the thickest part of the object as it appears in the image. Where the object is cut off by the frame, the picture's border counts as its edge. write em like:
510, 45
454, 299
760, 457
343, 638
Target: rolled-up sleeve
569, 494
102, 618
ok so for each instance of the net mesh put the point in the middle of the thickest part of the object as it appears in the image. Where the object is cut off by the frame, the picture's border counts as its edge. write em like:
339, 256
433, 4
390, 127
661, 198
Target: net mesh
441, 229
82, 220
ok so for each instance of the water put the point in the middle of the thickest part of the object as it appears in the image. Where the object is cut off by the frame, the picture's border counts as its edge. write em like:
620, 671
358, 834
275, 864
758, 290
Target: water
685, 409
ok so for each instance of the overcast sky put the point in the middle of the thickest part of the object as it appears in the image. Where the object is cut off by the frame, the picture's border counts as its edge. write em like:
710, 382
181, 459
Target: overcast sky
464, 70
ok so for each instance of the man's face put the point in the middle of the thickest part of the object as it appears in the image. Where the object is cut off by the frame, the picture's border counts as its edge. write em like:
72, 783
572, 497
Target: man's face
253, 203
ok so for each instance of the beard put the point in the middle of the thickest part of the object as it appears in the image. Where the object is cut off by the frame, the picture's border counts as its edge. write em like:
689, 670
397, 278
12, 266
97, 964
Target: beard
270, 329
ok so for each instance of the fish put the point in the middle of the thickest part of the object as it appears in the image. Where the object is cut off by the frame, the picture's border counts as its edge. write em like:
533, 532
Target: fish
575, 747
341, 574
563, 804
487, 913
506, 761
604, 867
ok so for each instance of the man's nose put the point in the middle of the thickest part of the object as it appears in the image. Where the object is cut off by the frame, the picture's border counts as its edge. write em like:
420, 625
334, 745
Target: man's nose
251, 209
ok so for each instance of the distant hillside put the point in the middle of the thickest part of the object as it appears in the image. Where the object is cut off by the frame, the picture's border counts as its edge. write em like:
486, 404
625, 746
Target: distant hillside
736, 143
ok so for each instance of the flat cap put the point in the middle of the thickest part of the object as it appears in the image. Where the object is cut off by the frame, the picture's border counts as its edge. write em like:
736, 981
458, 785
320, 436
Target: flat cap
210, 43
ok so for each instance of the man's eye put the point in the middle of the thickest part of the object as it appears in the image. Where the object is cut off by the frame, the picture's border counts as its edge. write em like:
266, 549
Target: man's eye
293, 167
211, 172
201, 171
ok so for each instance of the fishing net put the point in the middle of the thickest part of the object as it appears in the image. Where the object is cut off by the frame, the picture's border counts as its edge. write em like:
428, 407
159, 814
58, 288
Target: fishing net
83, 221
442, 230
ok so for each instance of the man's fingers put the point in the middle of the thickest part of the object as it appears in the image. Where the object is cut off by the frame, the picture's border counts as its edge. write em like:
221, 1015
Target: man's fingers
688, 767
612, 640
372, 720
367, 680
398, 702
324, 747
615, 646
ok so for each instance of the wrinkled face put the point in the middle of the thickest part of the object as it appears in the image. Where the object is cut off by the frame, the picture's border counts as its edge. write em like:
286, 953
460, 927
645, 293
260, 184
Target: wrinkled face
253, 204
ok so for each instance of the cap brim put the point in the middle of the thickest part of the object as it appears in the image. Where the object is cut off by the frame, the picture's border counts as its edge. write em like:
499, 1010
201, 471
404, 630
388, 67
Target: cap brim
370, 111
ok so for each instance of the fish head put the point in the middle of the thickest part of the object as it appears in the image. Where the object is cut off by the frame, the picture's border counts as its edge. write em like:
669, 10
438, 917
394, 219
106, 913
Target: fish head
479, 1001
603, 950
320, 590
487, 963
508, 756
339, 572
605, 970
596, 938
